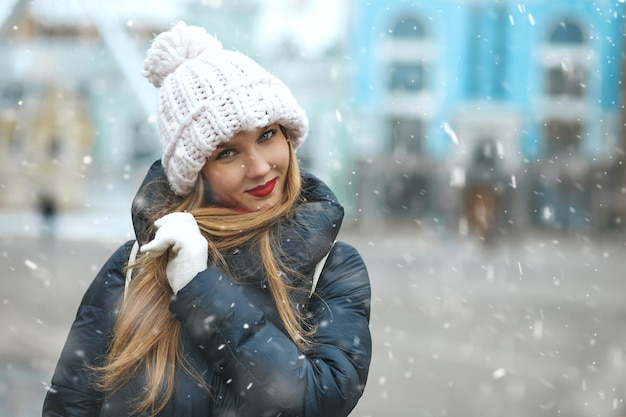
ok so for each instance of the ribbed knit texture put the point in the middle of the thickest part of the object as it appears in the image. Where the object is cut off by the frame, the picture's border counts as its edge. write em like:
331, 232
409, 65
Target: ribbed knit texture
207, 95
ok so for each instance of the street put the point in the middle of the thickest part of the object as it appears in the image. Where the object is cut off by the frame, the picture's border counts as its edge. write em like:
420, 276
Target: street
529, 327
525, 328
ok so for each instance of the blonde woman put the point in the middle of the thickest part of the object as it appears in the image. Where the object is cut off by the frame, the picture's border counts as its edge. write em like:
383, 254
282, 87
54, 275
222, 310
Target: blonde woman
240, 302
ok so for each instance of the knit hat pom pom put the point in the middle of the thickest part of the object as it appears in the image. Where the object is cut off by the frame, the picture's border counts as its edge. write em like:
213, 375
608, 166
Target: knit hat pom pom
170, 49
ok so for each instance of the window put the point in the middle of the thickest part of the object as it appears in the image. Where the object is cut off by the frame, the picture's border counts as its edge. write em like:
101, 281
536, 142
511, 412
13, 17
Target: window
406, 71
409, 58
566, 69
406, 77
486, 154
408, 183
564, 81
567, 32
566, 75
408, 28
563, 138
406, 136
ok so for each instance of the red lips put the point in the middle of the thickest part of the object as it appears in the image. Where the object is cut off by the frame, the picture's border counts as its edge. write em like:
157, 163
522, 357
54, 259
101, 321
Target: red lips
263, 190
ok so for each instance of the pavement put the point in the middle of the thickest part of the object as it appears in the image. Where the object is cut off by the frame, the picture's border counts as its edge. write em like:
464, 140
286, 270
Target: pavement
529, 326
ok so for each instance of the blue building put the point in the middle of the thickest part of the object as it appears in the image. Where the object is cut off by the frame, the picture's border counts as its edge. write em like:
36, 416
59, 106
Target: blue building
491, 112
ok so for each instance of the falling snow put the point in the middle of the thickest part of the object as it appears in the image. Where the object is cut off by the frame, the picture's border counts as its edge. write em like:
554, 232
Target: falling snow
503, 301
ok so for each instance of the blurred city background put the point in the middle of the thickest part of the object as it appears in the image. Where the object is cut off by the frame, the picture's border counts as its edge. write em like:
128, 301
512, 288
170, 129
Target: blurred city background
477, 145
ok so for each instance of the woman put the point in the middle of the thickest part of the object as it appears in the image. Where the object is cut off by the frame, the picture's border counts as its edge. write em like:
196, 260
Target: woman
222, 316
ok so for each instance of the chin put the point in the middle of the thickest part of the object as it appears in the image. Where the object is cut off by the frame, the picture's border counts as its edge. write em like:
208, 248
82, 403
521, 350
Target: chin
266, 205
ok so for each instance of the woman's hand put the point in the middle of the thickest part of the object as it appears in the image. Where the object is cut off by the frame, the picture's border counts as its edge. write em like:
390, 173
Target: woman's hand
179, 233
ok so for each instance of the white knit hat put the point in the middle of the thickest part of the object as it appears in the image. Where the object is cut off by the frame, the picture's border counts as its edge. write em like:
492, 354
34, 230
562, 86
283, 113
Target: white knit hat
207, 95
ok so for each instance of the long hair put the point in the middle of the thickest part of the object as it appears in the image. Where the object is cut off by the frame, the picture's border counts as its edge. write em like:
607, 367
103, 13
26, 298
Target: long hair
146, 335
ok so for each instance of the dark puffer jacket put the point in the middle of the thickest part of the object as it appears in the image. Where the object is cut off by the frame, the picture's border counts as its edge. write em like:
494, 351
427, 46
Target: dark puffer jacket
232, 333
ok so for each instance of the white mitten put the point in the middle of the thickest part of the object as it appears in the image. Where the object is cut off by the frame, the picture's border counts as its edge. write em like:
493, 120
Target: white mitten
189, 254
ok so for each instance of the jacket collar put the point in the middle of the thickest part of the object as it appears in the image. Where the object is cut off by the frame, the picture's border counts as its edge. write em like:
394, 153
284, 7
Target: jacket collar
305, 236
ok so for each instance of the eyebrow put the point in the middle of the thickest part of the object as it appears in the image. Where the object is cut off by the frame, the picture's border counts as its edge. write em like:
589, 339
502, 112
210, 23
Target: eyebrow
224, 145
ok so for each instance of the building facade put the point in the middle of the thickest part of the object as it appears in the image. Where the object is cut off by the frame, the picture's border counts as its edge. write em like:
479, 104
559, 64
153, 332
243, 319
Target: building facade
488, 114
482, 115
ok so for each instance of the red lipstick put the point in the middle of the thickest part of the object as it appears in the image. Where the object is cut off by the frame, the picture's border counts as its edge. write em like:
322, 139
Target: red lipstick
263, 190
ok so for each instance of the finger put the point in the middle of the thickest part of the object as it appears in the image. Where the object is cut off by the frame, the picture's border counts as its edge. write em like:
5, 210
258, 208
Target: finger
162, 220
178, 217
156, 247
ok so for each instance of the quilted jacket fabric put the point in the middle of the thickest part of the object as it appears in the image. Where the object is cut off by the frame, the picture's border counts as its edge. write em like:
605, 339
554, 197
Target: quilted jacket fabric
231, 332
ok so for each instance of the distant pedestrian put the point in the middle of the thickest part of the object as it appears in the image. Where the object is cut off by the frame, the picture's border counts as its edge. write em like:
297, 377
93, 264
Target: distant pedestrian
48, 210
483, 193
224, 314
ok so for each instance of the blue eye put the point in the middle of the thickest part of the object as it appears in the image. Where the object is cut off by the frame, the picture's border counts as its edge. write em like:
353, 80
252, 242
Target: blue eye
267, 135
225, 154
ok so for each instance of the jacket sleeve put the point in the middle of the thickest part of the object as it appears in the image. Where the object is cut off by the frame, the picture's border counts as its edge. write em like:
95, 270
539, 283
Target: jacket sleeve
260, 362
72, 391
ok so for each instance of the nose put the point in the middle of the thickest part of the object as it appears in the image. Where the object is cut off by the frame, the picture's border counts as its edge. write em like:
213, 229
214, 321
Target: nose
257, 166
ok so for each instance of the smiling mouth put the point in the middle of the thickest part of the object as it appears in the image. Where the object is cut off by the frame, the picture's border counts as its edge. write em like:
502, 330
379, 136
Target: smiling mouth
263, 190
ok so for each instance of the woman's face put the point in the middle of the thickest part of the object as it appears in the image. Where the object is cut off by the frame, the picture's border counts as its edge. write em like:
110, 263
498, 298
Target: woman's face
249, 171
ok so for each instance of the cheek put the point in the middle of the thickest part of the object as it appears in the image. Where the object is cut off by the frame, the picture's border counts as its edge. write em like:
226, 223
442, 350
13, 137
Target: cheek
225, 179
282, 161
217, 180
221, 174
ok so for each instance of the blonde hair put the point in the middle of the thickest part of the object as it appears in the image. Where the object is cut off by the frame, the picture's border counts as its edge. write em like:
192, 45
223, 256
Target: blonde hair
145, 334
